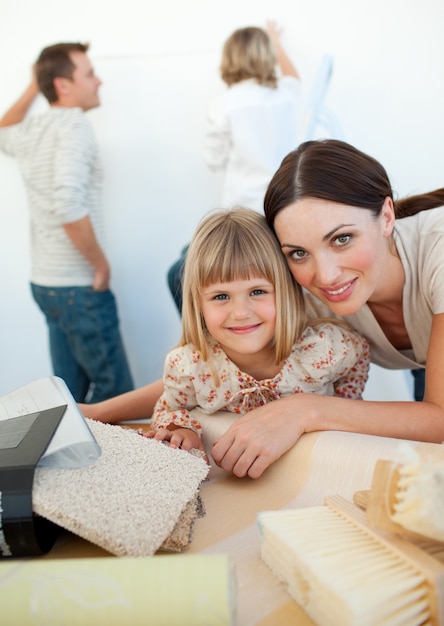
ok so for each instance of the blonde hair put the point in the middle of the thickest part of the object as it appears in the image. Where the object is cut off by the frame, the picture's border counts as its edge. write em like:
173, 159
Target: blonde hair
238, 244
249, 53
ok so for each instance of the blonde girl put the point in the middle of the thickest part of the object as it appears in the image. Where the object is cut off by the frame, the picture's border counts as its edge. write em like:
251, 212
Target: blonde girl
245, 340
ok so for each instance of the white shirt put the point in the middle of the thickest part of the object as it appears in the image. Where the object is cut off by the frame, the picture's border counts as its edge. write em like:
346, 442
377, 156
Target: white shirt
251, 128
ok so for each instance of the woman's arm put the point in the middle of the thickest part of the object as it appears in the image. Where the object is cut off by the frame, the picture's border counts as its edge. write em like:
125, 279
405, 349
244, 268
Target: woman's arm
133, 405
260, 437
263, 435
285, 63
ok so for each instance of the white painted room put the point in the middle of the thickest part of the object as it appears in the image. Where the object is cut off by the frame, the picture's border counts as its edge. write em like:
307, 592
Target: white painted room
159, 67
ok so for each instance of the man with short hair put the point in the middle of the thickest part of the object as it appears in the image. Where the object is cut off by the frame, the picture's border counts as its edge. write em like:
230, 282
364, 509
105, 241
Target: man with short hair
70, 273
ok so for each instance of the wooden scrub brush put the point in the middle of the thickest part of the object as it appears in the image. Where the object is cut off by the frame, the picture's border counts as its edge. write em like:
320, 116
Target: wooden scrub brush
344, 573
406, 498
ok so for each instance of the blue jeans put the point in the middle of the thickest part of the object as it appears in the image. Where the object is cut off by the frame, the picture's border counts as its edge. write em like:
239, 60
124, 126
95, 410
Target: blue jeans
86, 347
174, 279
418, 384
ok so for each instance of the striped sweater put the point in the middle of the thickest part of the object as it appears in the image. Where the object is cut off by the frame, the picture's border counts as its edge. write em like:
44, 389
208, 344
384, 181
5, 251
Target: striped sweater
58, 159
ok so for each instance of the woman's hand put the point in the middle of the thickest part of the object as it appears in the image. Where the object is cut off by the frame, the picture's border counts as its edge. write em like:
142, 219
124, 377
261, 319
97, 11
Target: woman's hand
257, 439
274, 31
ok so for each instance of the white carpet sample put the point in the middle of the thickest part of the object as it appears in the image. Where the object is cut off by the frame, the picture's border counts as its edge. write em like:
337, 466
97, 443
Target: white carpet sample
139, 497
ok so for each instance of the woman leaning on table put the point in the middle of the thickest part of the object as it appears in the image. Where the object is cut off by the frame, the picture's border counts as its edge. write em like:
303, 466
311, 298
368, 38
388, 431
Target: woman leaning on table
332, 210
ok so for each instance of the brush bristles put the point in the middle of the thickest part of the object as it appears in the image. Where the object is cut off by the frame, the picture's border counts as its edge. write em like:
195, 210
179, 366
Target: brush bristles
338, 573
419, 505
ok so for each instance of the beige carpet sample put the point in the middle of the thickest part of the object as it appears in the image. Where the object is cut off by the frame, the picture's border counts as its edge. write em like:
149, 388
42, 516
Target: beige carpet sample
139, 497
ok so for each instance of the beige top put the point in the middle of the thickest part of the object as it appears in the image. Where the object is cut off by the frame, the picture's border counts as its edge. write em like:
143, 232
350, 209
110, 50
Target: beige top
420, 243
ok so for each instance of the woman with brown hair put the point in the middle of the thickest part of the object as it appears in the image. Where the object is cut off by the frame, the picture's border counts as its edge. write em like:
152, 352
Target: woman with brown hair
332, 210
359, 255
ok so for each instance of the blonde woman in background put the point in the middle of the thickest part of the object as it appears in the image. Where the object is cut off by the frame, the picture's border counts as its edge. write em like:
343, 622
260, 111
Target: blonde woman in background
252, 124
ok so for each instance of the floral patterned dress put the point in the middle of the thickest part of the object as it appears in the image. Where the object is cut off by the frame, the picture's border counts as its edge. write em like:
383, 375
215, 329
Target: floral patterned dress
327, 360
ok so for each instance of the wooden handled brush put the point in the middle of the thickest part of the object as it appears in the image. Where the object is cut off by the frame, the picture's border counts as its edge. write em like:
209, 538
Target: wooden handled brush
407, 499
344, 573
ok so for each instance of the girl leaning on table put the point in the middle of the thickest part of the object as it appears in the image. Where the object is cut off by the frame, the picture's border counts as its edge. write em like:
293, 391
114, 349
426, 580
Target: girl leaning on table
245, 339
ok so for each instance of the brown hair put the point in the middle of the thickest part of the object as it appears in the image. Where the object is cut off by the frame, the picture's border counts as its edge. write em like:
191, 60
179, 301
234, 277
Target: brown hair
421, 202
233, 245
55, 61
249, 53
334, 170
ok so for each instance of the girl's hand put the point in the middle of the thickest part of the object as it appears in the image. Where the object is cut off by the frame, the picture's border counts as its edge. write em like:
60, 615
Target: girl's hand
254, 441
183, 438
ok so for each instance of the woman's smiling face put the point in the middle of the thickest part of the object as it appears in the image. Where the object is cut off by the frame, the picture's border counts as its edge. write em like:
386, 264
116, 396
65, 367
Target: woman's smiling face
337, 252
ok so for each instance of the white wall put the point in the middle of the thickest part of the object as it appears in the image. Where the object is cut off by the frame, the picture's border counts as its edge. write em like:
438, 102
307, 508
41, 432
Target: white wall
159, 65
